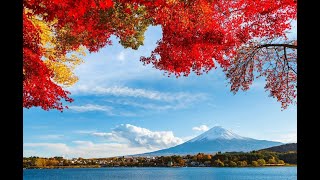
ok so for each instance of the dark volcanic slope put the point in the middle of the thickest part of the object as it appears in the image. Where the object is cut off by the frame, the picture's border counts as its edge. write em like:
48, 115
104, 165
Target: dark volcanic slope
282, 148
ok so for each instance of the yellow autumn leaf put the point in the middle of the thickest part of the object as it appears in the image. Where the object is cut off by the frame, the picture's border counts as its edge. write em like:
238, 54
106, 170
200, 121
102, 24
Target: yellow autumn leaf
62, 64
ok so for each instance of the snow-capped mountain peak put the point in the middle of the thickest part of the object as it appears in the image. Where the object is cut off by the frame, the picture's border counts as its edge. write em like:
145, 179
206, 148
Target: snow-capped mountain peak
214, 140
217, 132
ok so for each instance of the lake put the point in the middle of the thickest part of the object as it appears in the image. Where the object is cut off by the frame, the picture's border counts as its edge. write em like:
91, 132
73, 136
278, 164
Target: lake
154, 173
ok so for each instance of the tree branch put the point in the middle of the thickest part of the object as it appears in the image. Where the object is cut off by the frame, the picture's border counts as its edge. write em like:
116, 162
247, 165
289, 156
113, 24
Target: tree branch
279, 45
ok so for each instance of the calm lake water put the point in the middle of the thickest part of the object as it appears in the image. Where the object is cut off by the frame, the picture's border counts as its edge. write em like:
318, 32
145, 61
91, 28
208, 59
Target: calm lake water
267, 173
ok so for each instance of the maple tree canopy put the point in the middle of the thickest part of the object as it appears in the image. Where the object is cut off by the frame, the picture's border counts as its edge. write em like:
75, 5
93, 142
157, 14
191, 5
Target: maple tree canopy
198, 35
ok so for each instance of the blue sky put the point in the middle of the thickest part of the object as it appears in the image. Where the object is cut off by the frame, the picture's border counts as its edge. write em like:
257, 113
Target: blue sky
123, 107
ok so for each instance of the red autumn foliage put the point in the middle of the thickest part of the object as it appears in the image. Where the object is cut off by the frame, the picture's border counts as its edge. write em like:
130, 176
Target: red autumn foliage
38, 87
198, 32
197, 35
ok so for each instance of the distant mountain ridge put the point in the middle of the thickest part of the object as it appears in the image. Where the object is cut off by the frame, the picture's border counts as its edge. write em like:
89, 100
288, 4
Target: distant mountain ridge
214, 140
282, 148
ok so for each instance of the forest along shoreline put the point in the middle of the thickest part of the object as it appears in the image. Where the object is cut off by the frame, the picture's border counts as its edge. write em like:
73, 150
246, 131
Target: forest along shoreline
262, 158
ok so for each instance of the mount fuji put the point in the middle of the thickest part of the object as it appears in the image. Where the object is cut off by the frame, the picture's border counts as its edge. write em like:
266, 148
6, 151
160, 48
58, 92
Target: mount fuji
214, 140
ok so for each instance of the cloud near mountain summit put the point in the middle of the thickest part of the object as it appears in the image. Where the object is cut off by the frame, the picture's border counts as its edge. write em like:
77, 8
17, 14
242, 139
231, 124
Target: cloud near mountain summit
141, 137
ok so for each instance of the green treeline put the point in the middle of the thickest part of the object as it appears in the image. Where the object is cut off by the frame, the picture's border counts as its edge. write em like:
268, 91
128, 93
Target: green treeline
254, 158
228, 159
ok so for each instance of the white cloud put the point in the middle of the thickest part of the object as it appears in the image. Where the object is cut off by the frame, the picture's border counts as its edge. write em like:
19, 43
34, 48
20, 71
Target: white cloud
141, 137
121, 56
144, 99
201, 128
284, 136
152, 106
112, 137
288, 138
138, 93
101, 134
159, 107
125, 139
51, 136
85, 149
91, 107
38, 127
84, 131
46, 148
95, 107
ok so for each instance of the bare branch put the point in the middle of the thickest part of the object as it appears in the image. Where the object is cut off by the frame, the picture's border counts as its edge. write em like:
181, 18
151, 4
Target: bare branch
279, 45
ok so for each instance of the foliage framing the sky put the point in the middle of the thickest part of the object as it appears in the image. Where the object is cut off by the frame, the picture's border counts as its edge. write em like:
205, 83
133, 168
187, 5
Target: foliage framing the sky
197, 34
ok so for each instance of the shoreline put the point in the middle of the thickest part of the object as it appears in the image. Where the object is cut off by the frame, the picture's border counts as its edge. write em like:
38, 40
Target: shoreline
82, 167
